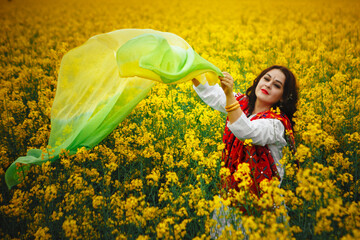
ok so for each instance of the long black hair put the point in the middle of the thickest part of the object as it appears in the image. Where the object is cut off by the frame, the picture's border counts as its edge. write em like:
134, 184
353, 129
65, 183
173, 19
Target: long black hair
288, 104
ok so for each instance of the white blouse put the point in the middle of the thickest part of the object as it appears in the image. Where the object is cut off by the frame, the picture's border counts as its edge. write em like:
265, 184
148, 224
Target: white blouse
262, 132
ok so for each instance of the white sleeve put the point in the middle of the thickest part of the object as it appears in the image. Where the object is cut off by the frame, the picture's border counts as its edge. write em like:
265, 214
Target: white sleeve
260, 131
213, 96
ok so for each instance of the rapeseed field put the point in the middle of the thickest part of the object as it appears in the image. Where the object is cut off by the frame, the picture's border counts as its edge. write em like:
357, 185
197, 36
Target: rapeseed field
157, 175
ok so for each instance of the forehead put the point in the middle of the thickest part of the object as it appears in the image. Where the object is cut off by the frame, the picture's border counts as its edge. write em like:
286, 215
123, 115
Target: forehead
276, 74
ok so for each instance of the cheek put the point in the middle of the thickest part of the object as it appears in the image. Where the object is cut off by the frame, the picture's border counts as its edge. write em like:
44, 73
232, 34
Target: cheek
278, 95
257, 89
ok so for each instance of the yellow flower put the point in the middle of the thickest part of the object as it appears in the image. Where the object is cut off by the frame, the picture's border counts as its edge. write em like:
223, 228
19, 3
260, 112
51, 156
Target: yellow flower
150, 213
42, 233
57, 215
50, 193
153, 177
163, 228
248, 142
202, 208
302, 153
97, 201
171, 177
143, 237
180, 229
70, 228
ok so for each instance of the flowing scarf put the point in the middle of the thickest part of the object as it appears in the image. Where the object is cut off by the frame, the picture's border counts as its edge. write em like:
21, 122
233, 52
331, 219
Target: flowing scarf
102, 81
259, 158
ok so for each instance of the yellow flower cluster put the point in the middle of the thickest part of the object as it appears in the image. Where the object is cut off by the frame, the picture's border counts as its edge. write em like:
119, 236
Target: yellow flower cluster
158, 175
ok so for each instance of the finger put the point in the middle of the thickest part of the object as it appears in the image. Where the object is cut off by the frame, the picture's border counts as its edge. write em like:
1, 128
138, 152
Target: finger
227, 75
225, 83
226, 80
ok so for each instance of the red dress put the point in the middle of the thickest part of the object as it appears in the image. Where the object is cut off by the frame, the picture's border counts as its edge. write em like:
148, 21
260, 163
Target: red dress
259, 158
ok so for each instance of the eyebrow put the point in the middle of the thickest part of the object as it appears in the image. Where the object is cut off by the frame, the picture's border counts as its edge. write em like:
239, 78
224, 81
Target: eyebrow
275, 79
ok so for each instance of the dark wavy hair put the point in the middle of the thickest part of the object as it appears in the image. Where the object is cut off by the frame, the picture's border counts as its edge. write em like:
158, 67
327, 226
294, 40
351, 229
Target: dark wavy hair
288, 104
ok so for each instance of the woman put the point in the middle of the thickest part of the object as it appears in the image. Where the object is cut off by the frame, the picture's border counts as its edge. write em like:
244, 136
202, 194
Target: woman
264, 115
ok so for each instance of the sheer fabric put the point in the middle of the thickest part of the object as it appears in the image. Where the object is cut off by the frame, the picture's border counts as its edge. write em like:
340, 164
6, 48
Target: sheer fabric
101, 82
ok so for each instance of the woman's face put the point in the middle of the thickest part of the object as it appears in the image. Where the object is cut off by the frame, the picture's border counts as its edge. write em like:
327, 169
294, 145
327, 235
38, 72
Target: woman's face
270, 88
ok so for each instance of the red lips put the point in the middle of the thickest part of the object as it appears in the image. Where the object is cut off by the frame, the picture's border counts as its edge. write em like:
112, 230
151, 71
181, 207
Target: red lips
264, 91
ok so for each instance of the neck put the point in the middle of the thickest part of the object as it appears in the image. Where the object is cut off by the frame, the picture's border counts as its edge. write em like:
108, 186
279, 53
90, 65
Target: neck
260, 107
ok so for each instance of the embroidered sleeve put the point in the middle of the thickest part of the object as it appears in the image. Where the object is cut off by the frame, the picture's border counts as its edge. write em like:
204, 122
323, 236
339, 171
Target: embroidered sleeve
260, 131
213, 96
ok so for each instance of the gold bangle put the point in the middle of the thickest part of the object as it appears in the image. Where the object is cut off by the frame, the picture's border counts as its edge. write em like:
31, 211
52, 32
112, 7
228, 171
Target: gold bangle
232, 105
233, 108
230, 110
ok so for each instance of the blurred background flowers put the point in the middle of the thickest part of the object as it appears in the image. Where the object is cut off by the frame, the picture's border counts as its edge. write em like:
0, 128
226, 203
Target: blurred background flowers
157, 175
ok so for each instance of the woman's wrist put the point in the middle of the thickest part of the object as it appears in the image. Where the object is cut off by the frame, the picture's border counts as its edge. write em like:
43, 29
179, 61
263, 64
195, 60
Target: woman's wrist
230, 98
232, 107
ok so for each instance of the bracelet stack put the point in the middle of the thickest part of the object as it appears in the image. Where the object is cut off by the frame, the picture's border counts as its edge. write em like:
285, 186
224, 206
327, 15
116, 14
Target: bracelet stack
232, 106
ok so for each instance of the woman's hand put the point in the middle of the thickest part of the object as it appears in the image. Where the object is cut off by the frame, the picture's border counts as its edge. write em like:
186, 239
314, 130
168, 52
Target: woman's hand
227, 83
